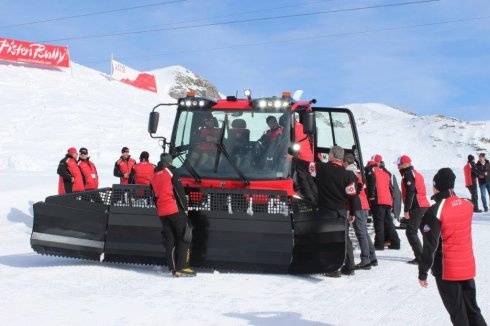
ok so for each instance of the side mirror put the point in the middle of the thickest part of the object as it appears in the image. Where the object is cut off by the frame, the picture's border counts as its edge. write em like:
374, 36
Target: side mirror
308, 122
153, 122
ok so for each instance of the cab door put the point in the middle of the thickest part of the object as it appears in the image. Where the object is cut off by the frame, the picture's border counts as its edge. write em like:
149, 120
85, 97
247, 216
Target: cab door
336, 126
320, 240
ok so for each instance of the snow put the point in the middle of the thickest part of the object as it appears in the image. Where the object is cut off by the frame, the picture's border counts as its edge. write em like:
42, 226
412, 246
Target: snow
44, 112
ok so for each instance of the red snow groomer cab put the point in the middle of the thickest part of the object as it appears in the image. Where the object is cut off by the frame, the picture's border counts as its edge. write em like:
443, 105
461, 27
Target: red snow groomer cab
251, 209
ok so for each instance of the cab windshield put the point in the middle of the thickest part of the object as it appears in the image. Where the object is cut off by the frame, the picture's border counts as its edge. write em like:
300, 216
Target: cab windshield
232, 144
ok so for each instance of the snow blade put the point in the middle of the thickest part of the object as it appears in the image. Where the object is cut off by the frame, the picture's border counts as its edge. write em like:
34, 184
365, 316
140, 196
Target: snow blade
71, 225
241, 230
134, 232
319, 240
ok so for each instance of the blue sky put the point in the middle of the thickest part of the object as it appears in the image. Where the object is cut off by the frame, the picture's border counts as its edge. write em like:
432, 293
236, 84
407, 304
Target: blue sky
352, 55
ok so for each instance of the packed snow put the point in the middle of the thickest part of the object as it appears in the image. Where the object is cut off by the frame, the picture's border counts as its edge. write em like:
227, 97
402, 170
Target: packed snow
46, 111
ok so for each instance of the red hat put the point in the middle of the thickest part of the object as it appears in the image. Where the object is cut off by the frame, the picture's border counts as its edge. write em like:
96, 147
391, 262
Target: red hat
377, 158
371, 163
72, 150
403, 159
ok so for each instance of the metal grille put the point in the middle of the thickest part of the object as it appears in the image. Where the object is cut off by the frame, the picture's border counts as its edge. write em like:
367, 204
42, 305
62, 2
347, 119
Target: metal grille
139, 196
302, 206
101, 196
238, 200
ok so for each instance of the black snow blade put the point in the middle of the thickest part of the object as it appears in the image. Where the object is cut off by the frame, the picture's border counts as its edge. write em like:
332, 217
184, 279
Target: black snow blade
71, 225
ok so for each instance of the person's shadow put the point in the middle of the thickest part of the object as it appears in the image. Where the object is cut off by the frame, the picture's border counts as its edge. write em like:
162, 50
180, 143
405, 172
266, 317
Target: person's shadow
269, 318
17, 216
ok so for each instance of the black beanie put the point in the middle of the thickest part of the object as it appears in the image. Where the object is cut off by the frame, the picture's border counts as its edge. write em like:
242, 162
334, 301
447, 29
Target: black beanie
166, 158
444, 179
471, 158
144, 155
124, 149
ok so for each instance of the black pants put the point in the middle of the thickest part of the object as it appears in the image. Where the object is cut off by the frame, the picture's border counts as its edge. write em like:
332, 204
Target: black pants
178, 252
349, 251
459, 298
474, 195
413, 226
383, 225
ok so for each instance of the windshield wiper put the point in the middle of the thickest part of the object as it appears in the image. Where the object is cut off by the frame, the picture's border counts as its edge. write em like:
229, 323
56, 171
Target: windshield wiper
220, 149
189, 168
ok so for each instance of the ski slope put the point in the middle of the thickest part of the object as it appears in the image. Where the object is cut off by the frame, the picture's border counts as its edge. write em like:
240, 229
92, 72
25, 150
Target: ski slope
46, 111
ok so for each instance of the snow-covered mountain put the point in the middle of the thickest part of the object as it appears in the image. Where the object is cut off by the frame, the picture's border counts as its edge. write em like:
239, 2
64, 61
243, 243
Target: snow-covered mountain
431, 141
45, 111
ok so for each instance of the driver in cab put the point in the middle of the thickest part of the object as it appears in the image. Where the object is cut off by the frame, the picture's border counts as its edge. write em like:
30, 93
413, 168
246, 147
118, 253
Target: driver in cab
271, 135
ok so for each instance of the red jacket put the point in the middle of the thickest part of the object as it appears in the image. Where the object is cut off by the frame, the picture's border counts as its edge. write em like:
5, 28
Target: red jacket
383, 192
123, 167
142, 173
457, 253
468, 181
208, 144
67, 169
448, 245
89, 172
163, 190
362, 194
305, 150
420, 192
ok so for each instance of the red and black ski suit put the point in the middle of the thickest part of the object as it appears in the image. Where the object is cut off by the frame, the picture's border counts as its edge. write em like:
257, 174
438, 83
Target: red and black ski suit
68, 169
471, 175
89, 173
448, 252
142, 173
122, 167
381, 200
416, 204
172, 210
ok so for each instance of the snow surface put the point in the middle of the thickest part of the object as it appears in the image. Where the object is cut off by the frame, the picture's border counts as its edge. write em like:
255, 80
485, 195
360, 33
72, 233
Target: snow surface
46, 111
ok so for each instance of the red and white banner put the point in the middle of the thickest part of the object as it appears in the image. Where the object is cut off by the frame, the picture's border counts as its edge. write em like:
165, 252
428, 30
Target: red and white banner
133, 77
35, 53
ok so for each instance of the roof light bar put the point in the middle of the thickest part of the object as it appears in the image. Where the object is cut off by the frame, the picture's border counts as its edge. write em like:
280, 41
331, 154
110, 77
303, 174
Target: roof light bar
271, 104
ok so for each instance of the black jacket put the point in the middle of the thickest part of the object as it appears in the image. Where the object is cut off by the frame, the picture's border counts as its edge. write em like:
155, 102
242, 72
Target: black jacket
333, 182
430, 226
63, 171
408, 179
178, 188
483, 168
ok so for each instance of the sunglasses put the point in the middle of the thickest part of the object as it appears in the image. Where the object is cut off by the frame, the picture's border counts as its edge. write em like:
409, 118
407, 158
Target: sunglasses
83, 153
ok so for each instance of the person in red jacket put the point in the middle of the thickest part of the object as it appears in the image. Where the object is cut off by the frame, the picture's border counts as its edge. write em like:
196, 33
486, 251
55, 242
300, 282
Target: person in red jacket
89, 171
123, 166
205, 150
448, 251
172, 209
70, 179
381, 200
142, 172
415, 203
471, 174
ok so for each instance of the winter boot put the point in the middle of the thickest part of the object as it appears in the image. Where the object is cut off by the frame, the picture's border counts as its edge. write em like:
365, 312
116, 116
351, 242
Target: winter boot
186, 272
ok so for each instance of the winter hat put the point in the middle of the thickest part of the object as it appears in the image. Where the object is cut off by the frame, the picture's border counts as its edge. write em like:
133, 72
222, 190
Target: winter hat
124, 149
481, 155
371, 163
377, 158
444, 179
72, 150
83, 150
403, 159
144, 155
471, 158
166, 158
